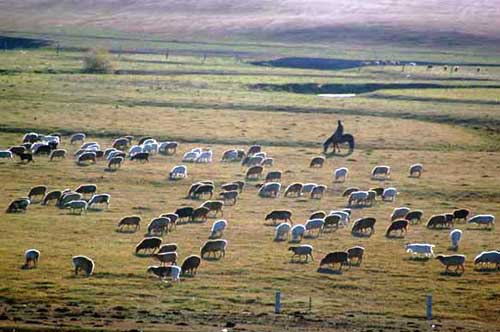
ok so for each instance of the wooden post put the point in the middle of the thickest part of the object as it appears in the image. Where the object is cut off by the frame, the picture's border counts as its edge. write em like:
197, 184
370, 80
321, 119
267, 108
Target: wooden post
429, 306
277, 302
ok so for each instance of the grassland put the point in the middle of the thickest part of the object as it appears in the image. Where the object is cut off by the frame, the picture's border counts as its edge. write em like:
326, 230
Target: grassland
452, 128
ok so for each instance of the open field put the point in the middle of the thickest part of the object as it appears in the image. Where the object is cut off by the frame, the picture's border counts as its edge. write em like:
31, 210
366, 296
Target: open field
448, 122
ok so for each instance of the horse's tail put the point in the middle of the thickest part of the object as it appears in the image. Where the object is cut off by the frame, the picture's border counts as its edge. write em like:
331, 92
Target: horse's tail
351, 143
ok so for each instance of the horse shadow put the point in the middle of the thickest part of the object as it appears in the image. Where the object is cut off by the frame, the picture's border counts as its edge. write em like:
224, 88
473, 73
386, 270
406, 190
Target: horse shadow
333, 154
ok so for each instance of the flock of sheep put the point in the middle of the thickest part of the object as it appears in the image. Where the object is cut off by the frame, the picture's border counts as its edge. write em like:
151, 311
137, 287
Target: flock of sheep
319, 223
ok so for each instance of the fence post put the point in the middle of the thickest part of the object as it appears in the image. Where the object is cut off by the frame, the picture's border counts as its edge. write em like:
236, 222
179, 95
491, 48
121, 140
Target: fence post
429, 306
277, 302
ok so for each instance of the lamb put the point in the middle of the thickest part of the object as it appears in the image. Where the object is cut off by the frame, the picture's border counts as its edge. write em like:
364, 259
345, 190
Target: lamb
298, 232
214, 246
229, 197
158, 225
284, 215
178, 172
273, 176
78, 137
271, 189
483, 219
452, 260
318, 192
37, 191
397, 225
53, 195
166, 258
361, 225
149, 243
317, 162
381, 172
31, 257
100, 199
359, 197
190, 265
488, 257
340, 174
389, 194
83, 263
414, 216
302, 250
399, 213
18, 205
281, 232
163, 272
336, 257
455, 236
254, 172
416, 170
218, 228
420, 249
169, 247
461, 214
315, 224
77, 205
356, 252
130, 221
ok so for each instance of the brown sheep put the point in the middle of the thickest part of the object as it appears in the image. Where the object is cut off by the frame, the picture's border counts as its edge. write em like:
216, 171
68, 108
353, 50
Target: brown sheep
317, 162
149, 243
53, 195
254, 172
214, 246
335, 257
229, 196
166, 258
414, 216
397, 225
58, 153
281, 215
294, 188
37, 191
436, 221
190, 265
214, 206
361, 225
200, 214
130, 221
317, 215
356, 252
273, 176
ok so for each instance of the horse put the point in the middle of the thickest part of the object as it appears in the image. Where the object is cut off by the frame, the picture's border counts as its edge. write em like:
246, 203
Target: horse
333, 140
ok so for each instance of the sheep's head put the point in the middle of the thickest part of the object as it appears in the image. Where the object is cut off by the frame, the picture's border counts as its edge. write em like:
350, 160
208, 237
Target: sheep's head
292, 248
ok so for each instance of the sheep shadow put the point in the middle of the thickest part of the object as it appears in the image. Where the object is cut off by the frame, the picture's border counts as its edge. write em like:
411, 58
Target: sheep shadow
143, 255
418, 259
487, 269
451, 274
454, 249
110, 170
292, 241
395, 237
362, 235
280, 240
300, 262
125, 231
480, 229
27, 267
311, 236
212, 259
323, 270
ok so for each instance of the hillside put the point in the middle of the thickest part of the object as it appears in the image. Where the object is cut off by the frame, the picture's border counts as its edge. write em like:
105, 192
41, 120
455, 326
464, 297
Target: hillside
427, 23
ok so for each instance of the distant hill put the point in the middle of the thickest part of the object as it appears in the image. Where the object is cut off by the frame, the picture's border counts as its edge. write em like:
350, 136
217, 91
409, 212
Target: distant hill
410, 22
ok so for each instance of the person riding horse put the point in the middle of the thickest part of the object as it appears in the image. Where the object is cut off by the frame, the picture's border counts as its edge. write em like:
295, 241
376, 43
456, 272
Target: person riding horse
339, 137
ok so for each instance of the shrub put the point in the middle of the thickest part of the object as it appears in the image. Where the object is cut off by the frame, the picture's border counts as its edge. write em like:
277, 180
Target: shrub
97, 61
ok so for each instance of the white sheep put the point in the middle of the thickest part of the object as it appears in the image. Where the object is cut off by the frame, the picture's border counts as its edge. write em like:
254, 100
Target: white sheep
340, 174
381, 171
389, 194
135, 149
205, 157
282, 231
359, 197
31, 257
399, 213
5, 154
75, 205
191, 156
483, 219
178, 172
162, 272
420, 248
315, 224
271, 189
344, 216
218, 228
455, 236
302, 250
416, 170
230, 155
93, 146
151, 148
307, 188
298, 232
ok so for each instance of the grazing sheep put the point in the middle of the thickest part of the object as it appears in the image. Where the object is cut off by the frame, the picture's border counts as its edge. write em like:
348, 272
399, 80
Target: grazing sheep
214, 206
254, 149
190, 156
284, 215
229, 197
142, 157
356, 252
267, 162
78, 137
314, 224
344, 216
53, 195
178, 172
414, 216
298, 232
31, 257
254, 172
67, 197
168, 148
115, 162
202, 190
163, 272
416, 170
169, 247
130, 221
488, 257
336, 257
331, 222
271, 189
452, 260
145, 139
349, 191
37, 191
372, 197
358, 197
389, 194
166, 258
381, 172
361, 225
190, 265
148, 243
18, 205
78, 205
461, 214
86, 189
83, 263
232, 155
317, 162
200, 214
318, 192
218, 228
205, 157
294, 188
184, 213
340, 174
241, 185
158, 226
281, 232
173, 220
378, 190
90, 146
17, 150
133, 150
399, 213
4, 154
86, 156
100, 199
57, 154
28, 157
273, 176
420, 249
436, 221
31, 137
488, 220
318, 215
253, 161
230, 186
455, 236
214, 246
307, 188
397, 225
302, 250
